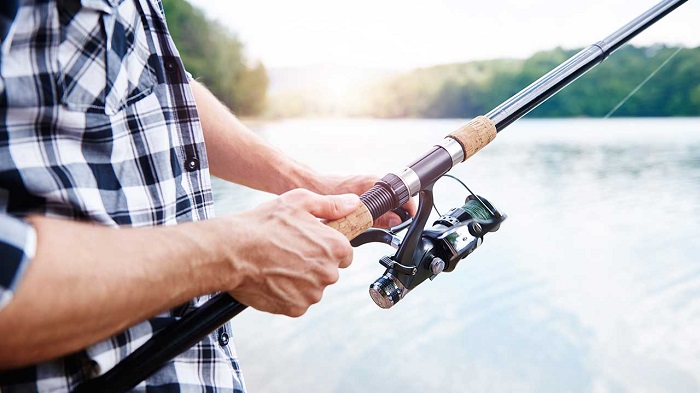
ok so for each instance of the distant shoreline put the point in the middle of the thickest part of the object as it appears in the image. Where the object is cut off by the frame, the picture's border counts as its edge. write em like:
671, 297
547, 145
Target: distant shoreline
473, 88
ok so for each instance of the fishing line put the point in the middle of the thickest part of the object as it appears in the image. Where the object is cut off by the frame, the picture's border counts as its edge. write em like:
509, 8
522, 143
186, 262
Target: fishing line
470, 191
648, 78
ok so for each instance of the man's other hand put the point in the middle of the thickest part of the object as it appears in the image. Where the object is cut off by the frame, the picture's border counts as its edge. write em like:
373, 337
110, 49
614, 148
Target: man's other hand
283, 256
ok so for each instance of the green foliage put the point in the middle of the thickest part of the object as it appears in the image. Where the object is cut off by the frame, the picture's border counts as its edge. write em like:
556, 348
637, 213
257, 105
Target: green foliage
214, 56
470, 89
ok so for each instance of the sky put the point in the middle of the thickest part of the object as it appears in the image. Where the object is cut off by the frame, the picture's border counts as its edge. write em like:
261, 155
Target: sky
396, 34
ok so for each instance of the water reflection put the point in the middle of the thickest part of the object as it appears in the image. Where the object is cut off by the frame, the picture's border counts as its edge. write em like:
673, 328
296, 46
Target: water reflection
591, 285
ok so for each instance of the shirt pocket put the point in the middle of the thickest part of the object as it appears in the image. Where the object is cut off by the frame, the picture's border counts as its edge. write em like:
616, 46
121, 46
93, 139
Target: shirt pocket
103, 57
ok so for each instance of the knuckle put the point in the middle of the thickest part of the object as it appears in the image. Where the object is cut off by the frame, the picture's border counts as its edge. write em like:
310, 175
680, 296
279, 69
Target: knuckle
296, 311
346, 259
347, 256
316, 296
300, 193
328, 275
299, 199
340, 248
332, 276
293, 193
290, 197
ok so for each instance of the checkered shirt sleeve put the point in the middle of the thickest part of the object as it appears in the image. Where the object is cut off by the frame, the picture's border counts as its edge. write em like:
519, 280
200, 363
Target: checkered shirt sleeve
98, 123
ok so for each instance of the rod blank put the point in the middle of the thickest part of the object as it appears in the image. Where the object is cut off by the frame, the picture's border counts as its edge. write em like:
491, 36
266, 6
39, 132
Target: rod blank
539, 91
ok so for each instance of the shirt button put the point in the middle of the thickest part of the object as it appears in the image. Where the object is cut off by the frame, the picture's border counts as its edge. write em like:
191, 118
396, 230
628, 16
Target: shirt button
223, 339
191, 164
170, 66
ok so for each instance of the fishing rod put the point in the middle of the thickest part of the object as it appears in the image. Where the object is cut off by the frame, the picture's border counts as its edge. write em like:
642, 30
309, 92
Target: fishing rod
423, 253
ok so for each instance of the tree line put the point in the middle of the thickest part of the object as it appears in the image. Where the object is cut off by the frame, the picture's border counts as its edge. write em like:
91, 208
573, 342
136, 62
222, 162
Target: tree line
470, 89
214, 56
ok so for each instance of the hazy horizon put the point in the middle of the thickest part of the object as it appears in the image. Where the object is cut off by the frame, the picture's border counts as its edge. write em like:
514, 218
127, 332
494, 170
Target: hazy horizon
395, 35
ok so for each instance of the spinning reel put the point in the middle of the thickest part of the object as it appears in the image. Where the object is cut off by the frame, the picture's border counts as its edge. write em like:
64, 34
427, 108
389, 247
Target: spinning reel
425, 253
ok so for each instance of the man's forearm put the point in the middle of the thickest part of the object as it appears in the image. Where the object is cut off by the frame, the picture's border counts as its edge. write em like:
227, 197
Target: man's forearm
88, 282
237, 154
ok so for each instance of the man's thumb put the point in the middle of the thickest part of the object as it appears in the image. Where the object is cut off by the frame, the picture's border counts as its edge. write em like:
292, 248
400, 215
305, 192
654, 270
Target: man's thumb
333, 207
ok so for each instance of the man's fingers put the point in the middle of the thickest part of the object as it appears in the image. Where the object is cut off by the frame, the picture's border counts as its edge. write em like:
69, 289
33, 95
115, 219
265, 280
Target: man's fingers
391, 219
411, 207
388, 220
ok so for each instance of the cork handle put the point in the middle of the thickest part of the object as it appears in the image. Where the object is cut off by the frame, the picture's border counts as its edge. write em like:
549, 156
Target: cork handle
353, 224
475, 135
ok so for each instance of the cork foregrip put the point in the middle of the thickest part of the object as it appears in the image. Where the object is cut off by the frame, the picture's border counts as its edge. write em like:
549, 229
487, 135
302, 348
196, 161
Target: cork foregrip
474, 135
353, 224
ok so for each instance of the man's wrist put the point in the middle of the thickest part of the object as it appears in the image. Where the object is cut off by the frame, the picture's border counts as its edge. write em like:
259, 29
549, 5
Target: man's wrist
294, 174
213, 269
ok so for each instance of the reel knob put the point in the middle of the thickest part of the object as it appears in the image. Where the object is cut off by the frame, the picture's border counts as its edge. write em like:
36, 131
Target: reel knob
437, 266
387, 290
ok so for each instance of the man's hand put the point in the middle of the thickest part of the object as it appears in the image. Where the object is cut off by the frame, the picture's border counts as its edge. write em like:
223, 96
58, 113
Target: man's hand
282, 254
327, 184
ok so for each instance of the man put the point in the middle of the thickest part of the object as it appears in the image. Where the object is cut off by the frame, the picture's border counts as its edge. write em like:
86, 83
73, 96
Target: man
101, 128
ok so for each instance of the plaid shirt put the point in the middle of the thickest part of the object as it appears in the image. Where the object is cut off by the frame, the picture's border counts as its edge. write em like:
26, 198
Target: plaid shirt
98, 123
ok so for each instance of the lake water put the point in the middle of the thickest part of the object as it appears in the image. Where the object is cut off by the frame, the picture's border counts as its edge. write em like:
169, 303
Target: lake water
591, 285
